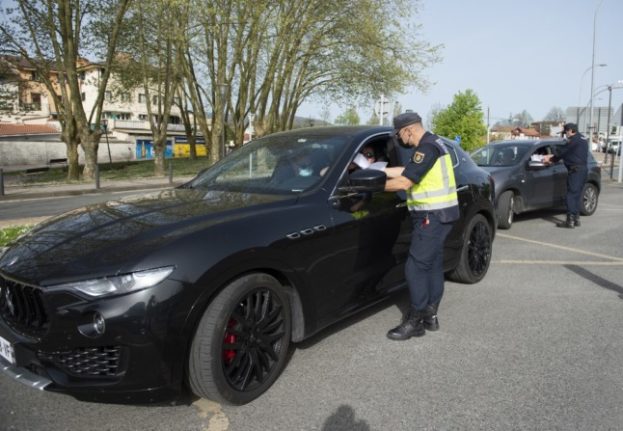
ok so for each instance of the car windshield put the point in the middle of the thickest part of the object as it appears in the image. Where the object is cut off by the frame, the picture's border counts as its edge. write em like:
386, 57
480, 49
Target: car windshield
499, 155
279, 164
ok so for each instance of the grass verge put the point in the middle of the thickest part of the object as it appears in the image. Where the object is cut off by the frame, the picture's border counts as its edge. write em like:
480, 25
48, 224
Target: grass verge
110, 171
9, 234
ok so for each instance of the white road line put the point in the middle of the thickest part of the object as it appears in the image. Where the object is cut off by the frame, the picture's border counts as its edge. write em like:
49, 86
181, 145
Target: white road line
557, 262
561, 247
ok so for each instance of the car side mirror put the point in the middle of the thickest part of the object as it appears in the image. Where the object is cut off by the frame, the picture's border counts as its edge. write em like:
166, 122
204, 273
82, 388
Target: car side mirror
364, 180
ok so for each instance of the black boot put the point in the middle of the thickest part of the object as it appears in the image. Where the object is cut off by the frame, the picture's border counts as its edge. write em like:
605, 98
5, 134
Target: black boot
568, 223
576, 221
431, 323
411, 326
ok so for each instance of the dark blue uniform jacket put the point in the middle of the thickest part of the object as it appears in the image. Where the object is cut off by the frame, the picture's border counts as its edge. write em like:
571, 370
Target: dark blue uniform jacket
575, 154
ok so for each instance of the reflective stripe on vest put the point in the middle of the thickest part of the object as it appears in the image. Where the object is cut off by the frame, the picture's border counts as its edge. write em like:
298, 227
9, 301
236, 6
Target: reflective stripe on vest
437, 190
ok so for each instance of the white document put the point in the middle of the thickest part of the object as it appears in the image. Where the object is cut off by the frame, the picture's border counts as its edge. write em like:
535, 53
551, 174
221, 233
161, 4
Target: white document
363, 163
537, 158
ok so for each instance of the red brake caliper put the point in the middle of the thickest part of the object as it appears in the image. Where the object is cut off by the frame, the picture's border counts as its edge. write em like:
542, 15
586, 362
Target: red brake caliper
229, 354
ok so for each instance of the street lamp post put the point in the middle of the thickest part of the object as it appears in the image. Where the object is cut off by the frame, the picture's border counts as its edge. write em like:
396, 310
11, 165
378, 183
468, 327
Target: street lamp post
105, 126
582, 80
590, 114
616, 85
222, 93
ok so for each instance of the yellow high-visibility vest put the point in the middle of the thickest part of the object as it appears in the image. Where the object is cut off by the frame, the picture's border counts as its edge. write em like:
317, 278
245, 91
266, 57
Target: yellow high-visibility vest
437, 190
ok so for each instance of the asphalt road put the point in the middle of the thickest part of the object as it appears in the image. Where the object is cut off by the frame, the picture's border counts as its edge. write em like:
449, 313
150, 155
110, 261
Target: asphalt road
536, 345
33, 210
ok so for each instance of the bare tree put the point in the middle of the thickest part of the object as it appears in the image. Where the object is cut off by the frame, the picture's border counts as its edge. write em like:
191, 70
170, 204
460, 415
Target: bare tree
271, 55
52, 37
555, 114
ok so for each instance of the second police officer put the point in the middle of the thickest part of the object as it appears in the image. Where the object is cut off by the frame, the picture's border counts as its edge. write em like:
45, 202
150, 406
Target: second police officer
575, 157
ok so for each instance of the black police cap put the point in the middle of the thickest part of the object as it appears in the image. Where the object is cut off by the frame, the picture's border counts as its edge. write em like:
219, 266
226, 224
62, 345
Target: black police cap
406, 119
570, 126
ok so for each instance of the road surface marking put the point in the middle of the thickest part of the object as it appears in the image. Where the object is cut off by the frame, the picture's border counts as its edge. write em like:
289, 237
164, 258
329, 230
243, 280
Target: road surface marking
562, 247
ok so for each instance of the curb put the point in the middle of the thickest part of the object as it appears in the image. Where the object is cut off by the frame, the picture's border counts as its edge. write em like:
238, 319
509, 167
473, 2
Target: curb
58, 193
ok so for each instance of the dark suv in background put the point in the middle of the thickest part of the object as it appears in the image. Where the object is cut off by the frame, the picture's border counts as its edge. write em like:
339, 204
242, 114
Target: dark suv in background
523, 183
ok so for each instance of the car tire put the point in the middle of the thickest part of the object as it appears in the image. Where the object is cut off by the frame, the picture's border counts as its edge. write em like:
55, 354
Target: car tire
475, 252
506, 209
241, 343
590, 198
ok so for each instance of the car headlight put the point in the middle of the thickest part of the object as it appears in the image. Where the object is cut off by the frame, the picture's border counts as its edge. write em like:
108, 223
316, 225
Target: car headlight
118, 284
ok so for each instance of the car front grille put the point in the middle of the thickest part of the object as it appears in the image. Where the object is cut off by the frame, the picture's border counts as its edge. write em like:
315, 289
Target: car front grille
21, 307
103, 361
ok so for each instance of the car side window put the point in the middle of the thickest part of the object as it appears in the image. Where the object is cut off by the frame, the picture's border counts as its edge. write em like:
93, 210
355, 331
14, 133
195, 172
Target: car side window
543, 151
453, 155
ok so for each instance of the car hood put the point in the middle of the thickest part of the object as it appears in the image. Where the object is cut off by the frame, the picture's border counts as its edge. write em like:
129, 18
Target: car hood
112, 236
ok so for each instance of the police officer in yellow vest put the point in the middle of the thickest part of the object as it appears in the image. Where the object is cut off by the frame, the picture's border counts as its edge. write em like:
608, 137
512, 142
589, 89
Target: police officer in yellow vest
432, 200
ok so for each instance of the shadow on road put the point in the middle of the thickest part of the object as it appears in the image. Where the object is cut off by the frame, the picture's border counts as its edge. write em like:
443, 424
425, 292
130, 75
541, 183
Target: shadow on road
344, 420
594, 278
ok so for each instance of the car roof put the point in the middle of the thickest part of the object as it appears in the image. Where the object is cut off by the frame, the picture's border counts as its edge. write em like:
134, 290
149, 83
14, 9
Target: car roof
527, 142
334, 131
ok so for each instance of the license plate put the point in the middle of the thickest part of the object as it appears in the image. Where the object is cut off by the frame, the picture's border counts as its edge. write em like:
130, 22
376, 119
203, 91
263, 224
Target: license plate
7, 351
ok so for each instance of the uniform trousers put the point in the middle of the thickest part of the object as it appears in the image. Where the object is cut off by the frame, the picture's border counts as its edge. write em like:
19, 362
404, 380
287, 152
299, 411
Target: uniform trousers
424, 267
575, 183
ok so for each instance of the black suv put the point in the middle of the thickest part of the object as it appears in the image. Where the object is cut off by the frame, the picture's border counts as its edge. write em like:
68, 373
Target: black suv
207, 285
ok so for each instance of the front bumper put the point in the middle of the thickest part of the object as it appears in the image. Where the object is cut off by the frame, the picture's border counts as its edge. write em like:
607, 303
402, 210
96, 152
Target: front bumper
24, 376
138, 358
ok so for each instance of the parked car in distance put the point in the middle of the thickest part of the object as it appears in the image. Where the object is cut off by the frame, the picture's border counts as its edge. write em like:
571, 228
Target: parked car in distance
206, 286
523, 183
614, 146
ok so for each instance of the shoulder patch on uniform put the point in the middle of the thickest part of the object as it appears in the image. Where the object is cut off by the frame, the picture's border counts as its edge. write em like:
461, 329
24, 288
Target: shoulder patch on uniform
418, 157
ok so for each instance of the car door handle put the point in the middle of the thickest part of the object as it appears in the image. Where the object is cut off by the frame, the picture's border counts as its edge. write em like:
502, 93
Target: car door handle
460, 189
401, 205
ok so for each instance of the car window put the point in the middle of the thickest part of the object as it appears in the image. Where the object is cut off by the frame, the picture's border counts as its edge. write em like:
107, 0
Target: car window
499, 155
543, 151
275, 165
452, 151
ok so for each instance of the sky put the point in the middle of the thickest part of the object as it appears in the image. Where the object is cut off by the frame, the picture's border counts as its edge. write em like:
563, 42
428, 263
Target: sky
528, 55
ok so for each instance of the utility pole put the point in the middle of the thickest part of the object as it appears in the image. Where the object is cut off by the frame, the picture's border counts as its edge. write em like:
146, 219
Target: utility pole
590, 114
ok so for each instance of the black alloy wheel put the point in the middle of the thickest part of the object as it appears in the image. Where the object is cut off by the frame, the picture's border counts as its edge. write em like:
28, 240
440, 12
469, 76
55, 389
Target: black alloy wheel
242, 341
475, 253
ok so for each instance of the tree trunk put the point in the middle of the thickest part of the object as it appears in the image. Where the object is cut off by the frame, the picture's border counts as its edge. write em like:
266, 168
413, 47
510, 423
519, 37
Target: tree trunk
73, 168
90, 145
160, 143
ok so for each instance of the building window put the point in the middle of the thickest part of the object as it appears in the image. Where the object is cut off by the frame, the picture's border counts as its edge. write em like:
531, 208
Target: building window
84, 96
36, 101
81, 75
108, 96
142, 98
142, 117
125, 97
154, 100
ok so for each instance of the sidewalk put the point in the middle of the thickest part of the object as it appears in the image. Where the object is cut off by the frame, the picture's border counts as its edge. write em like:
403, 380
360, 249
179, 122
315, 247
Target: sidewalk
38, 191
